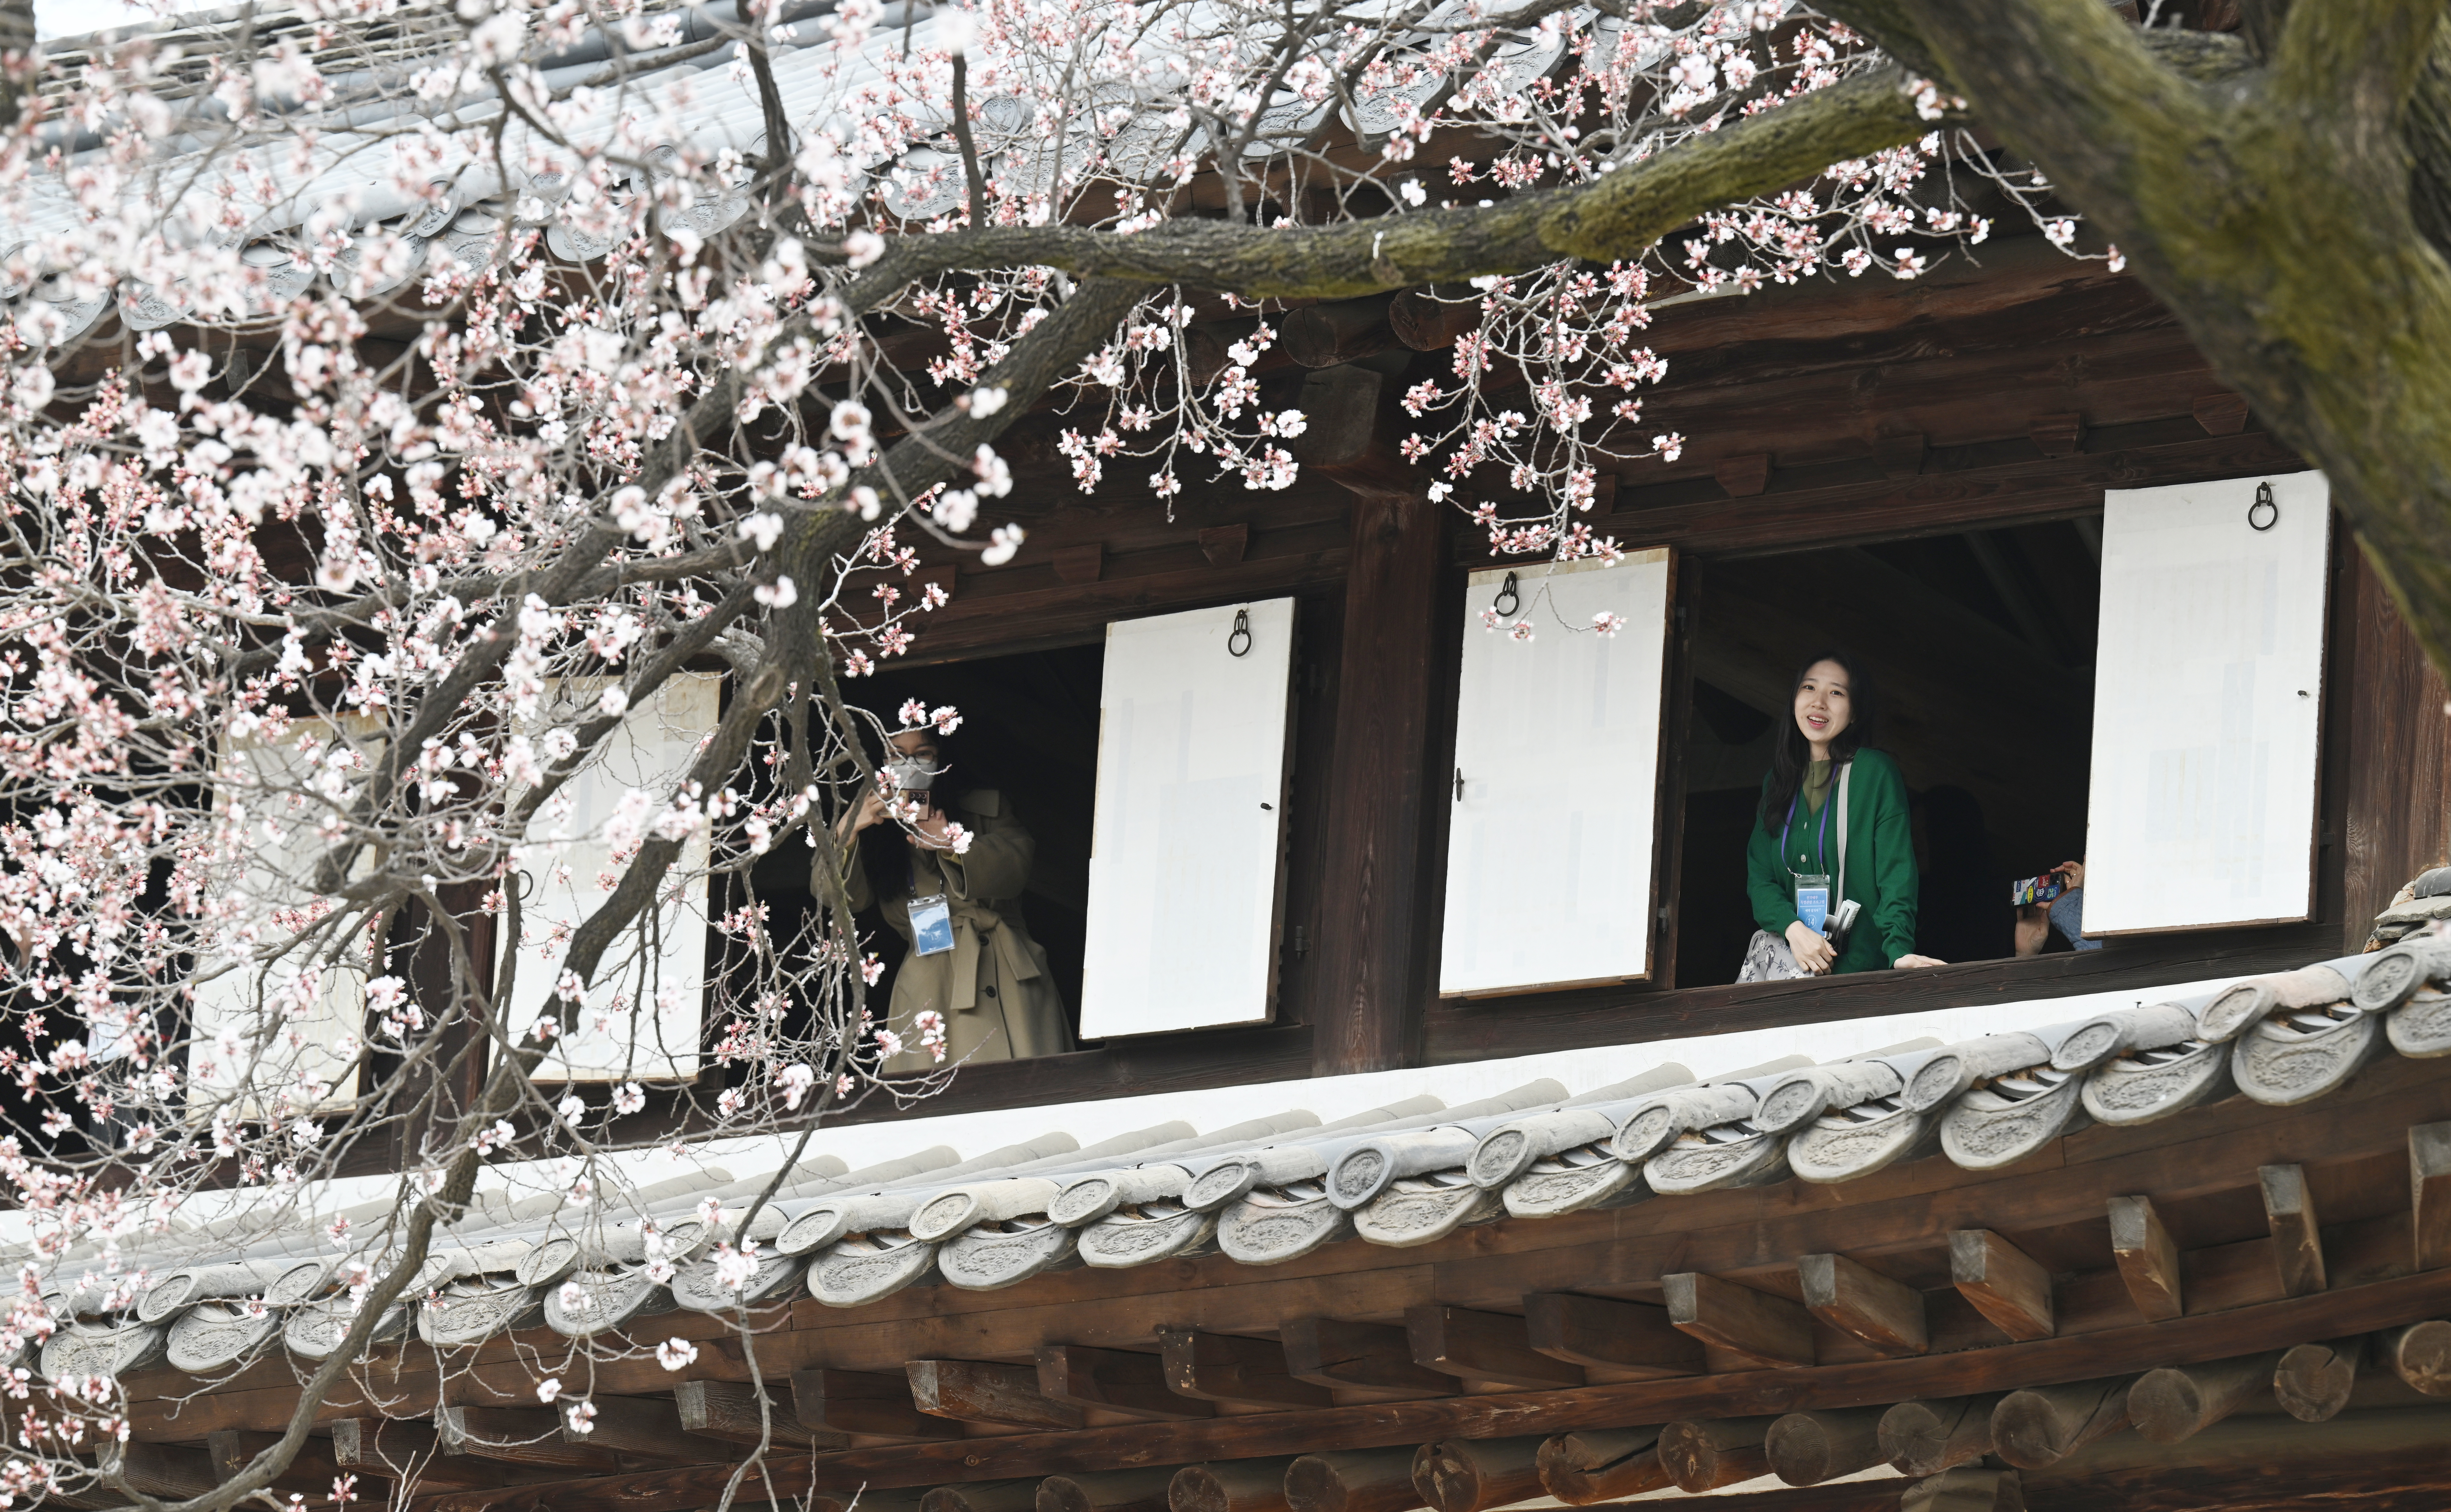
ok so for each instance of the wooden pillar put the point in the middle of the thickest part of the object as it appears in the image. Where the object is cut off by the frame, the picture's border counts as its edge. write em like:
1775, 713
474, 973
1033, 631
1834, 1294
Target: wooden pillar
1374, 906
2398, 782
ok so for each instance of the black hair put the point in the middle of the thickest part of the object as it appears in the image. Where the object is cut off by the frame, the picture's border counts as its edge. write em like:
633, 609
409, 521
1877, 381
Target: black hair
1790, 755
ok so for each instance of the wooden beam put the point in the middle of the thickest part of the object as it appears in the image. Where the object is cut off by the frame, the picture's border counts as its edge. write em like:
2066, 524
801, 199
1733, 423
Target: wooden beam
2221, 414
398, 1451
1118, 1380
2057, 435
2002, 1283
1079, 564
1743, 476
1365, 1007
1331, 1353
1229, 1367
1602, 1465
1970, 1489
2044, 1425
1478, 1346
2179, 1402
521, 1436
1631, 1338
2203, 1336
2313, 1381
2429, 1191
1106, 1491
1926, 1436
1900, 455
1806, 1448
1232, 1485
980, 1496
2420, 1356
1353, 1480
1706, 1455
650, 1427
1471, 1475
311, 1474
981, 1391
1864, 1304
1223, 545
732, 1412
1765, 1329
863, 1402
160, 1470
1427, 324
2297, 1244
1340, 331
2148, 1261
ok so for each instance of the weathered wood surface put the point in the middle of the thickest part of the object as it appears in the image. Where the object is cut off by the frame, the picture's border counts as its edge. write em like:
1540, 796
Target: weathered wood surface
1704, 1455
1806, 1448
2297, 1244
2004, 1283
1476, 1346
2178, 1401
1759, 1232
1763, 1330
1928, 1436
1602, 1465
2313, 1381
1353, 1480
1627, 1338
1229, 1367
1863, 1304
2148, 1258
1472, 1475
1232, 1485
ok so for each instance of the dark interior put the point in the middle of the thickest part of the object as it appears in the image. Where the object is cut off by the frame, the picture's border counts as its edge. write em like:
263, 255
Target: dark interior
1029, 730
1981, 644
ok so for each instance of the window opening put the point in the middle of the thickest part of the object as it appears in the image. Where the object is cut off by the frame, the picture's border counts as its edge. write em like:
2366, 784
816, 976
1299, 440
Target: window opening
1981, 648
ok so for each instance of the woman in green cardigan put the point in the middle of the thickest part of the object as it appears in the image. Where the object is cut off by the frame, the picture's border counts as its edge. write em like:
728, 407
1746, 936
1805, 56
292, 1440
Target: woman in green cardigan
1797, 834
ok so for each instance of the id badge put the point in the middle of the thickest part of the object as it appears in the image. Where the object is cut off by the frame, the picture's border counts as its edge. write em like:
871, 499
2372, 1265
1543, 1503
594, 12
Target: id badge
1812, 901
931, 925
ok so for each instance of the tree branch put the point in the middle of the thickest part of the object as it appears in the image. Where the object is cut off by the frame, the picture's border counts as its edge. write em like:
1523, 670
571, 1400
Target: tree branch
2358, 56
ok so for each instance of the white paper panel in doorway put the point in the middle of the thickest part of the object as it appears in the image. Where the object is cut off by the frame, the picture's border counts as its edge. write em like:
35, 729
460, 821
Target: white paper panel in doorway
2208, 693
652, 994
1549, 857
1185, 852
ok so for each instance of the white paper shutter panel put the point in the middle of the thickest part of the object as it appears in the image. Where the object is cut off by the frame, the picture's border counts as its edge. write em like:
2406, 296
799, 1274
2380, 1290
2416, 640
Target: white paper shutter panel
278, 794
2208, 692
1186, 849
1549, 856
649, 992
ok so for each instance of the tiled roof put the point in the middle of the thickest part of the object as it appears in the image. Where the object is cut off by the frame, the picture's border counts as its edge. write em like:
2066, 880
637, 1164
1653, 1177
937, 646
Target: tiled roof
1275, 1189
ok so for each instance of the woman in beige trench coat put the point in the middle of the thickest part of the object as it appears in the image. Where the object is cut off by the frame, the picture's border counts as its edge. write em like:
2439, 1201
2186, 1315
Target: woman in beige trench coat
993, 988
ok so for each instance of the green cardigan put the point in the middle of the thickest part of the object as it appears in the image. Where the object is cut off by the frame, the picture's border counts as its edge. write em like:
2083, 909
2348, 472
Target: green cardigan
1880, 866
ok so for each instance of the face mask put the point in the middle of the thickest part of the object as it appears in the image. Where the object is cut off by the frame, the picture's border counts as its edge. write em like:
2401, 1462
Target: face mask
911, 775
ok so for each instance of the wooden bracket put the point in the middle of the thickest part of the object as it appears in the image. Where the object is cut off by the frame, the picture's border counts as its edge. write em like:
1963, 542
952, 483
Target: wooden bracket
1080, 564
730, 1410
1900, 455
1633, 1338
2429, 1193
1807, 1448
1483, 1347
2297, 1245
1331, 1353
1119, 1380
1743, 476
981, 1391
869, 1403
1925, 1438
2148, 1261
1765, 1329
2221, 414
1223, 545
648, 1426
521, 1435
2005, 1285
1225, 1367
2057, 435
1863, 1303
311, 1472
1352, 433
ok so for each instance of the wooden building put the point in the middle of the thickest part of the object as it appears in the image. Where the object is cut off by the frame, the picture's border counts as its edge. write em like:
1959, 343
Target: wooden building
2146, 1253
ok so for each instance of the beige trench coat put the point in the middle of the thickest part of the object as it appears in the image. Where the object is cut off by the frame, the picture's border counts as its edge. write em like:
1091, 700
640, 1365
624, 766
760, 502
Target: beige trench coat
994, 987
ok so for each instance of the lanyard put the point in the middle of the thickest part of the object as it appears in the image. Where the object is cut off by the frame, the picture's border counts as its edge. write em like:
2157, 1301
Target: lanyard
1821, 843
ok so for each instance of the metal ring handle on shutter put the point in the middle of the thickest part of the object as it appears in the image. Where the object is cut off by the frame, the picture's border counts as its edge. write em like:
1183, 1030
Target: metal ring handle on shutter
1242, 632
1509, 599
2264, 506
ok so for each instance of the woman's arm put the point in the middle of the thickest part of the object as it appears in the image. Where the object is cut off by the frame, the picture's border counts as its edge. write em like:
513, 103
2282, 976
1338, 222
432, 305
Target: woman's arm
1893, 863
998, 863
1766, 882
